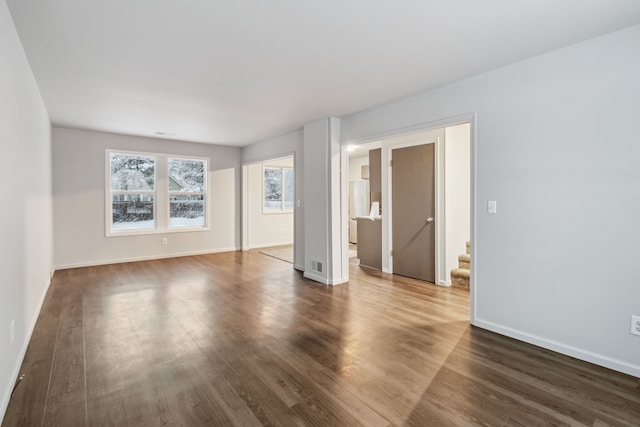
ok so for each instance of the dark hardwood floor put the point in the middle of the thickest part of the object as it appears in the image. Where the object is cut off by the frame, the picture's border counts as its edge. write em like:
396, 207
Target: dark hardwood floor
241, 339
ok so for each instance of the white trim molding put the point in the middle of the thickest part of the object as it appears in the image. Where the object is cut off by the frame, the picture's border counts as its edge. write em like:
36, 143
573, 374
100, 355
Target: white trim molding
144, 258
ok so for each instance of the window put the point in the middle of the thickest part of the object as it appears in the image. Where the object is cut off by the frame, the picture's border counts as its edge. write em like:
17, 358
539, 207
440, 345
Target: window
278, 189
187, 185
132, 188
149, 193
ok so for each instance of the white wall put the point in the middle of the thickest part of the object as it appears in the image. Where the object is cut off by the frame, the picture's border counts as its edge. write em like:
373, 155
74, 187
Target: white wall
26, 259
556, 146
355, 165
266, 229
457, 193
79, 201
291, 143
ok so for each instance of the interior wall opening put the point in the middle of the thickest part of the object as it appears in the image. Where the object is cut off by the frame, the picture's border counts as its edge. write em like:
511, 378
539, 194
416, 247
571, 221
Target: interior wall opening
370, 202
269, 207
363, 202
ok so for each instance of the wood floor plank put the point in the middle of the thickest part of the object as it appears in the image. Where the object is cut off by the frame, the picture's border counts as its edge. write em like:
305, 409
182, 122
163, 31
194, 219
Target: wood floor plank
291, 389
235, 408
108, 410
66, 410
68, 371
266, 406
241, 339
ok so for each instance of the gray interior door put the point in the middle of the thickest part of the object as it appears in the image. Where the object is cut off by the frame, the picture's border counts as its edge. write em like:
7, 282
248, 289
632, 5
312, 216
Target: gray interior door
413, 211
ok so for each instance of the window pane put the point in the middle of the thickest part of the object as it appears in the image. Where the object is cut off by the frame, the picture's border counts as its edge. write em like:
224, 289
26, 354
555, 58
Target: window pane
187, 210
186, 175
132, 212
273, 188
289, 193
133, 173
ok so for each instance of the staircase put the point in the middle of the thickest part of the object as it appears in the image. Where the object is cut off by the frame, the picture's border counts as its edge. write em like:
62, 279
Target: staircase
460, 276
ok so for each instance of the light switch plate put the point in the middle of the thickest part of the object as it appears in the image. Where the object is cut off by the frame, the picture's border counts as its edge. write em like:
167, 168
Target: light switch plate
492, 207
635, 325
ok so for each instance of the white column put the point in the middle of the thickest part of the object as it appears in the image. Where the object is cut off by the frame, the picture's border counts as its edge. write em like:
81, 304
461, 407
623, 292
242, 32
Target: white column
323, 233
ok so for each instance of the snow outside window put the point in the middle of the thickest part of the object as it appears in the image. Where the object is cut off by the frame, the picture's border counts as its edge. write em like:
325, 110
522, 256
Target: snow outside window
132, 190
155, 193
187, 191
278, 189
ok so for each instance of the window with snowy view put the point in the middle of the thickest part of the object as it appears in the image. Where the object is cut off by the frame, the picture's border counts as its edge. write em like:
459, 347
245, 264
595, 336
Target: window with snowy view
132, 190
278, 189
187, 191
155, 193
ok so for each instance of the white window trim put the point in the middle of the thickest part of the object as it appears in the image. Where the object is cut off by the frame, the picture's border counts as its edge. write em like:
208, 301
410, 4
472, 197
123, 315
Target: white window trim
161, 195
282, 210
204, 193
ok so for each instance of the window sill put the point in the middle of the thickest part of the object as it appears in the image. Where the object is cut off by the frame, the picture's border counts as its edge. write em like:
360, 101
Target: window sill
125, 233
277, 212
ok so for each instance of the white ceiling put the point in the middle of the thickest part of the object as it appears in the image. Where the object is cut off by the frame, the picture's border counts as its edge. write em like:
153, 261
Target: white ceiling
239, 71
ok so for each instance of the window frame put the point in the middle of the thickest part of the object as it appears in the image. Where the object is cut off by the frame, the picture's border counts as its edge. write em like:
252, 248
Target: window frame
109, 193
162, 195
205, 195
282, 209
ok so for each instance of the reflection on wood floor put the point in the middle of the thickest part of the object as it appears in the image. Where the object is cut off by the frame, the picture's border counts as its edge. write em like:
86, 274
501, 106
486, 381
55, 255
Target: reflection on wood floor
242, 339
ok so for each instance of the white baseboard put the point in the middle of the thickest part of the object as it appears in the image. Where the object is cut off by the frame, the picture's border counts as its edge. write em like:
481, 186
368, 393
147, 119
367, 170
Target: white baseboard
444, 283
587, 356
299, 267
143, 258
23, 351
318, 278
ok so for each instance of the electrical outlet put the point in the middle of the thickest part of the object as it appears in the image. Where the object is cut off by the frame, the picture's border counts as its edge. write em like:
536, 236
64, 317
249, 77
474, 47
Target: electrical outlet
12, 332
635, 325
163, 241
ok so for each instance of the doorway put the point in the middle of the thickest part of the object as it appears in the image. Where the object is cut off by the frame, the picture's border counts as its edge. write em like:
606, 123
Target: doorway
360, 198
269, 207
450, 206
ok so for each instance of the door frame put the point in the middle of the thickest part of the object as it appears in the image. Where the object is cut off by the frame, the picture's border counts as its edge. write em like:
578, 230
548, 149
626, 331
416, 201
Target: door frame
245, 229
470, 118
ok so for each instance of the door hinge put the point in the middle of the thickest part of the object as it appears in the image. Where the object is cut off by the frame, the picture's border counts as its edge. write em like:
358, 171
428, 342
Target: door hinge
391, 252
